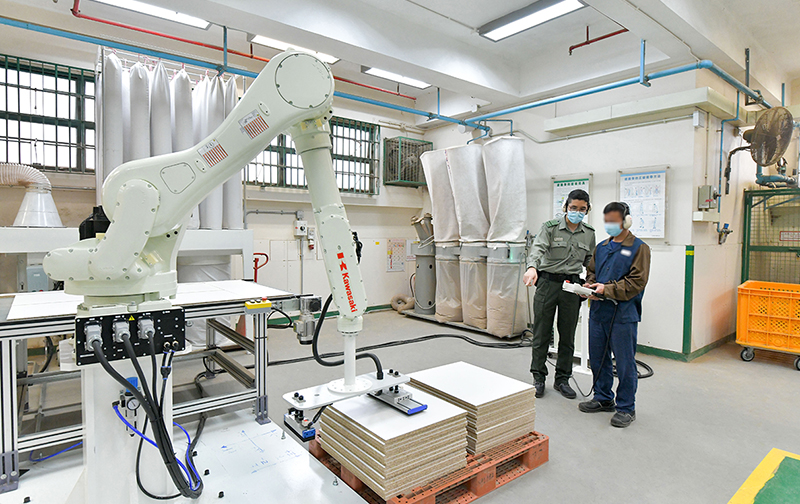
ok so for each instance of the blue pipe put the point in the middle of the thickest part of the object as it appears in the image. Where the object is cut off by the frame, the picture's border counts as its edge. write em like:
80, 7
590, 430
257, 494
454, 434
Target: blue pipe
703, 64
473, 123
484, 135
722, 161
429, 115
225, 48
204, 64
642, 77
783, 94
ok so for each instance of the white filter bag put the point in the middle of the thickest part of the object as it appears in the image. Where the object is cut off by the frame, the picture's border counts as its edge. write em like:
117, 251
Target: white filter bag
211, 207
140, 112
468, 180
113, 124
505, 300
232, 211
504, 163
448, 290
445, 222
473, 290
160, 112
126, 115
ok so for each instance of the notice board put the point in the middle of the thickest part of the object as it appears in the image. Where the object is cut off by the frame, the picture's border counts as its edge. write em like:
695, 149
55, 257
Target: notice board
645, 192
565, 184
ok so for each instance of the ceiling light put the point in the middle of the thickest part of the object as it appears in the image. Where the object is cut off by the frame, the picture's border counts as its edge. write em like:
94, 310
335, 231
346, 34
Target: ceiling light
283, 46
528, 17
159, 12
384, 74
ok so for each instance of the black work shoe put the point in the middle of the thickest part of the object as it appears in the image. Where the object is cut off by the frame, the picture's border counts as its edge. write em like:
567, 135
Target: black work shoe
622, 419
565, 390
596, 406
539, 386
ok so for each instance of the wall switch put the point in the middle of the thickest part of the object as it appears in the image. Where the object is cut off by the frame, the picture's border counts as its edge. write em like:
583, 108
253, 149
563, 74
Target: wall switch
300, 228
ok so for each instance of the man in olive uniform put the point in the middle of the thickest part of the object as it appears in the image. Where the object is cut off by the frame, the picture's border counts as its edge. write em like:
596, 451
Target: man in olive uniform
560, 251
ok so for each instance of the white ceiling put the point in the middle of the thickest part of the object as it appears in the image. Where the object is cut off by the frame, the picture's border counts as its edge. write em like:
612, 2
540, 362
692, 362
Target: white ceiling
436, 40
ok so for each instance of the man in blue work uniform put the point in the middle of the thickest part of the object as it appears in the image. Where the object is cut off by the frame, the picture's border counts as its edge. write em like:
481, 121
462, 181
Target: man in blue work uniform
618, 271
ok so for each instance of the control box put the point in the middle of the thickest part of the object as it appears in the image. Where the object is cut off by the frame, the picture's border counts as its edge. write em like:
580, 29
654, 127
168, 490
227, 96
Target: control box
300, 228
166, 327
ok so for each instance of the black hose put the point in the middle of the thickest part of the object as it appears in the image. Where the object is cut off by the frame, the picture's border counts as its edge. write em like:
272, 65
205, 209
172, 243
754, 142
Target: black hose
155, 371
288, 325
160, 433
50, 351
321, 361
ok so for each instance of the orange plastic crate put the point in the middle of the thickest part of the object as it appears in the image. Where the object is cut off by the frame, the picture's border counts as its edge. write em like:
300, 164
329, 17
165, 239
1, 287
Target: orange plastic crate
768, 316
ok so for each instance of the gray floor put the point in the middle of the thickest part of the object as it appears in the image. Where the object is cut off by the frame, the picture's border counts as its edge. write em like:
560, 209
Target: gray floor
701, 429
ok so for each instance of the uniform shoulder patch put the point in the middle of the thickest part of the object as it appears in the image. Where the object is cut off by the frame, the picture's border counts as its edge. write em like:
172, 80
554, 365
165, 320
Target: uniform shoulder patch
588, 226
551, 223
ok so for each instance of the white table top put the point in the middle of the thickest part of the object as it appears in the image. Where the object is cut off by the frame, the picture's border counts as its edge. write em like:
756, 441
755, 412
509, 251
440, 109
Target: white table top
58, 303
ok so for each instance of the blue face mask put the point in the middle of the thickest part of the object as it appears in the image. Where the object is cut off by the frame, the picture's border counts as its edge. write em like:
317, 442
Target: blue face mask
575, 217
613, 228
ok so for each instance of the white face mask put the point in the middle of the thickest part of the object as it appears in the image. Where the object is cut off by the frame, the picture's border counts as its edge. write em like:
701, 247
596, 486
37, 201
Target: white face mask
613, 228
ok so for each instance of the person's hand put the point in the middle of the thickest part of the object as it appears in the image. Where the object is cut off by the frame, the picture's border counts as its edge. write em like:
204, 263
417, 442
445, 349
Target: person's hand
598, 288
530, 277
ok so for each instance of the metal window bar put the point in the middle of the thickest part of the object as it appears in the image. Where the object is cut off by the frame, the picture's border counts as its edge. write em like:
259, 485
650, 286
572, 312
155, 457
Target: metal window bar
401, 161
355, 159
46, 115
771, 241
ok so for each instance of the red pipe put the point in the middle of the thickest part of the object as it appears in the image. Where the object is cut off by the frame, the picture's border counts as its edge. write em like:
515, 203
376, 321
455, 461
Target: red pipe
589, 41
77, 13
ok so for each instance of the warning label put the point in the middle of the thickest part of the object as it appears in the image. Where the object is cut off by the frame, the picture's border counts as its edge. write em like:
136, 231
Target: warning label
253, 124
212, 152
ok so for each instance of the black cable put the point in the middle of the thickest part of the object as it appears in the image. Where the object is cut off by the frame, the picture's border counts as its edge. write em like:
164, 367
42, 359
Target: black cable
320, 360
50, 351
154, 384
319, 414
138, 476
282, 326
160, 433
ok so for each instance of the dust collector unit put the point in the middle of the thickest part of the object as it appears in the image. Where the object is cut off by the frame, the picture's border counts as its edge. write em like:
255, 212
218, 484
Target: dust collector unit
38, 208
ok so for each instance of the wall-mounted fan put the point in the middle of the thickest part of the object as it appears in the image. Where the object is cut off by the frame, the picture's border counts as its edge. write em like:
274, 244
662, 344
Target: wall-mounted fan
768, 141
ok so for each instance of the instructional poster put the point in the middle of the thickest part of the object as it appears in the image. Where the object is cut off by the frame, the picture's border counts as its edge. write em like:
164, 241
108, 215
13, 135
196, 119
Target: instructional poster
562, 188
396, 254
645, 194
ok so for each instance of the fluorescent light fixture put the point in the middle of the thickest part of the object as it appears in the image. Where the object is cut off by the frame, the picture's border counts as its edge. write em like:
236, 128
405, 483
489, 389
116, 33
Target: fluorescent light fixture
384, 74
159, 12
527, 17
283, 46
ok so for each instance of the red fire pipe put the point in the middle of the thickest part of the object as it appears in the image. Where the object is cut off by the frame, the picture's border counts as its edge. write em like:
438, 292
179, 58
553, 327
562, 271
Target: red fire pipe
589, 41
77, 13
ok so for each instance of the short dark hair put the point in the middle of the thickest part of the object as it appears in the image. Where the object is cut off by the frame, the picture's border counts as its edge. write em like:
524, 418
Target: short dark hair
617, 206
577, 194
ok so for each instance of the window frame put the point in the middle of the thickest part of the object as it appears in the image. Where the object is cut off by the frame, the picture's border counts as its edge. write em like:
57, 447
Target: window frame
80, 77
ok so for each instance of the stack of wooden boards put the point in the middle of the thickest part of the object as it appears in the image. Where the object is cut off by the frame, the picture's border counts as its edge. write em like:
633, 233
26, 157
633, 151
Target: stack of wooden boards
392, 452
499, 408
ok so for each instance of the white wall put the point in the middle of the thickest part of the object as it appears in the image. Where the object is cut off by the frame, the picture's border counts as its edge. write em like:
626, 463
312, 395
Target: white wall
683, 148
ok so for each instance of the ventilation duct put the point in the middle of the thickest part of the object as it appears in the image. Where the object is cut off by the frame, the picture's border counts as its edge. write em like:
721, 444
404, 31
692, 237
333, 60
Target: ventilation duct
38, 208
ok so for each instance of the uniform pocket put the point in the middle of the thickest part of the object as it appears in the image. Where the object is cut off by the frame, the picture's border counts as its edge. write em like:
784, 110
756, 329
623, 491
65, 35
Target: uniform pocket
582, 250
559, 250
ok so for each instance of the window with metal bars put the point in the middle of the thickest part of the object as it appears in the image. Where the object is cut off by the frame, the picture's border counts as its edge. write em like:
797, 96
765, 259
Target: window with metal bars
46, 115
355, 159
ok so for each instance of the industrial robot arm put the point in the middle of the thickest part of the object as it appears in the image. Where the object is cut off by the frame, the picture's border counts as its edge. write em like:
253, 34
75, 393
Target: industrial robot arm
149, 200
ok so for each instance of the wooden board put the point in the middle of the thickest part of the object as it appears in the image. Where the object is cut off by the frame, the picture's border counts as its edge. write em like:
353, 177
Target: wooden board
393, 452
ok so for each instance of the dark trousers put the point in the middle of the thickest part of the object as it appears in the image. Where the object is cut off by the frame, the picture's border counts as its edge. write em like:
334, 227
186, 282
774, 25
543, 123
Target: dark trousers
623, 345
548, 299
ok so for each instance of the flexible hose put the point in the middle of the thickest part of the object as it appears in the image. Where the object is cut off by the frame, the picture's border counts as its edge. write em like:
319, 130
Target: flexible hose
163, 441
323, 362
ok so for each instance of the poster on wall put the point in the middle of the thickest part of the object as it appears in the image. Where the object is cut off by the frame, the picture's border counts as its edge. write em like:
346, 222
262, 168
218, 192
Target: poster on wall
395, 255
563, 186
645, 192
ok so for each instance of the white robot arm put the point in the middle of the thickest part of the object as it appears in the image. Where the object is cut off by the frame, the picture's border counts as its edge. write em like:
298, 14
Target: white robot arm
148, 201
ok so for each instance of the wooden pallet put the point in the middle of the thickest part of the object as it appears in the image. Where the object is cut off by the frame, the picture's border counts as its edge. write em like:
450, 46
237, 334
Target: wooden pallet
484, 472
